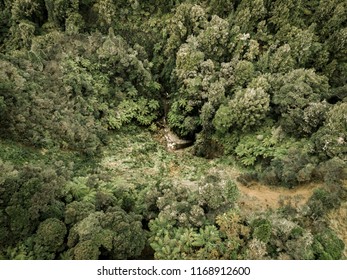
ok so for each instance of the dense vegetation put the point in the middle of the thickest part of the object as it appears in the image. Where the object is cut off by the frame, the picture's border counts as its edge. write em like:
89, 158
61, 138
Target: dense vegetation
86, 84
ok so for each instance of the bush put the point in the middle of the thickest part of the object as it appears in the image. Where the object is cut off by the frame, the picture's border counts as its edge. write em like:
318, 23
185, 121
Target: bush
327, 246
331, 138
322, 201
296, 167
262, 230
247, 109
51, 234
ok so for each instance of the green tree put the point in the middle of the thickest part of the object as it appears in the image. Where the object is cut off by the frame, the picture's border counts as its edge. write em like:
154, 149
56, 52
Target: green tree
51, 234
114, 234
298, 97
331, 138
30, 195
248, 108
327, 246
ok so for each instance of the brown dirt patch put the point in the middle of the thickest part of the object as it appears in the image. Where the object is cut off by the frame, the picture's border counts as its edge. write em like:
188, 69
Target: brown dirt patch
260, 197
174, 169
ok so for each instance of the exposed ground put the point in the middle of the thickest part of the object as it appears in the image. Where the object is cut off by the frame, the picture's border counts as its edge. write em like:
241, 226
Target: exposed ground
260, 197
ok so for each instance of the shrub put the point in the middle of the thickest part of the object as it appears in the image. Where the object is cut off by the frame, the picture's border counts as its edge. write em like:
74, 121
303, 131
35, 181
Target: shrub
327, 246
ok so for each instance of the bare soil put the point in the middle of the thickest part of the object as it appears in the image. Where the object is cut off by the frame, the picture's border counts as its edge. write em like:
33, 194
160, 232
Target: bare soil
257, 197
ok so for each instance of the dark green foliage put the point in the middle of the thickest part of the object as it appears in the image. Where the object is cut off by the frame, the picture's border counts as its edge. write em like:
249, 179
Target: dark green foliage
208, 242
297, 96
114, 234
284, 237
30, 194
261, 84
331, 138
262, 230
51, 234
247, 109
336, 171
76, 211
75, 110
322, 201
291, 164
327, 246
86, 250
218, 62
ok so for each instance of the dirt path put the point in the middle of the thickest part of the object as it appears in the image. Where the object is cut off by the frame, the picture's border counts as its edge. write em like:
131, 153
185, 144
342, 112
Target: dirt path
257, 197
260, 197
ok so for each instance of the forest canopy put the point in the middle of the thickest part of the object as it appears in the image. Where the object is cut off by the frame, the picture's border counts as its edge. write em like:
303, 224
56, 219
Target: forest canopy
260, 85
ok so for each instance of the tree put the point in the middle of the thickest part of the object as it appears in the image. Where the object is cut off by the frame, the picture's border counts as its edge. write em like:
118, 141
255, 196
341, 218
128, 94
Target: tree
298, 97
331, 138
30, 204
248, 108
30, 197
248, 14
327, 246
114, 234
59, 10
284, 238
51, 234
262, 230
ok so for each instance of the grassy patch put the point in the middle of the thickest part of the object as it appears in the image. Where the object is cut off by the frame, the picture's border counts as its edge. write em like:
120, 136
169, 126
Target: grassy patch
19, 154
